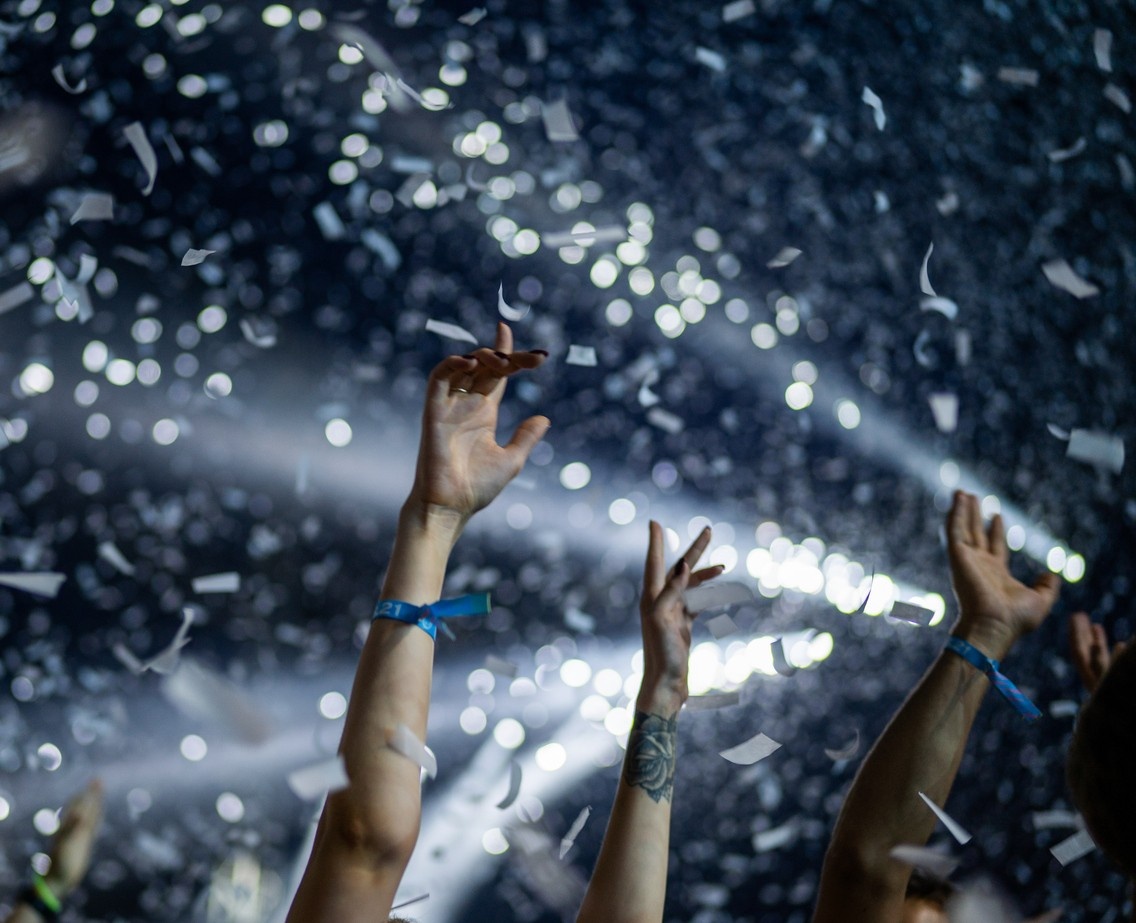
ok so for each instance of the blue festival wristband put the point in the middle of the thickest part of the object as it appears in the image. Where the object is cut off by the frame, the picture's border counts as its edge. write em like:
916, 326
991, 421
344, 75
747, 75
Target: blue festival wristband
992, 669
426, 617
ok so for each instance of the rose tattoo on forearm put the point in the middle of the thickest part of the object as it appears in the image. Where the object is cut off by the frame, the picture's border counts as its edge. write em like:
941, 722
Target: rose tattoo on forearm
650, 762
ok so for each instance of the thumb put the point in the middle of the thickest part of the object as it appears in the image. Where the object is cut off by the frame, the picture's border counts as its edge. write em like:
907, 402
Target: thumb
1048, 586
525, 438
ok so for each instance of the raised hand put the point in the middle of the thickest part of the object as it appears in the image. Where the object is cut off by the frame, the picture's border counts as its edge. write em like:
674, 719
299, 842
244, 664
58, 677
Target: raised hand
666, 622
461, 468
1088, 646
995, 608
71, 847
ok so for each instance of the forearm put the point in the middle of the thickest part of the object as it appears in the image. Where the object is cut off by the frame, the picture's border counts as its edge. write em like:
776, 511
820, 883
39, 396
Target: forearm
22, 913
629, 882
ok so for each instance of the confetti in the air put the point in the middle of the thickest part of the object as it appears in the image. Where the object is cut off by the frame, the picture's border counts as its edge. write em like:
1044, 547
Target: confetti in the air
500, 666
136, 135
194, 257
713, 701
1071, 849
16, 296
1063, 708
574, 831
877, 106
584, 238
910, 612
1100, 449
165, 661
453, 331
43, 584
319, 779
1061, 275
784, 257
930, 860
945, 306
721, 626
581, 355
1118, 98
751, 751
665, 420
1102, 49
1055, 819
426, 103
1019, 76
558, 122
506, 310
330, 224
515, 778
263, 338
846, 752
710, 59
109, 552
96, 206
945, 409
61, 78
738, 9
1068, 153
203, 695
776, 837
717, 596
924, 276
404, 741
473, 17
228, 582
956, 830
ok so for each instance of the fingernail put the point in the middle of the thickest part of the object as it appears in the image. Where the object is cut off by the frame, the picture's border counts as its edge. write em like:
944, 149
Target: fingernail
469, 356
500, 355
539, 352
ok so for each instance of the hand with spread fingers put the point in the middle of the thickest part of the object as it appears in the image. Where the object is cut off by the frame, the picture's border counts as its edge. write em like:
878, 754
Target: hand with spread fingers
995, 609
666, 621
461, 467
1088, 645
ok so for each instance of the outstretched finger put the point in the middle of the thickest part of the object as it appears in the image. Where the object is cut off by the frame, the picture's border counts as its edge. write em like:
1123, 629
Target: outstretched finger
525, 438
1048, 587
1098, 653
676, 585
996, 538
655, 567
957, 520
1081, 644
504, 341
696, 549
976, 534
706, 573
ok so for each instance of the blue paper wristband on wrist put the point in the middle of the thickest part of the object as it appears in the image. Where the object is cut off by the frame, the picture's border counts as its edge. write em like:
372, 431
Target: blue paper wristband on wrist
992, 668
426, 617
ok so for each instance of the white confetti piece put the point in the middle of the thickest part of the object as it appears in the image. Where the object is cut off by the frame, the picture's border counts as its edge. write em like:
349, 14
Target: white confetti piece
167, 659
581, 355
846, 752
474, 16
1061, 275
739, 9
1067, 153
574, 831
1127, 172
776, 837
579, 621
713, 701
721, 626
136, 135
203, 695
1102, 49
321, 778
1071, 849
877, 107
558, 122
228, 582
506, 310
665, 420
383, 247
405, 742
1019, 76
453, 331
1098, 449
96, 206
962, 347
16, 296
647, 397
784, 257
945, 409
205, 160
937, 863
910, 612
407, 163
425, 103
330, 224
924, 277
264, 338
1055, 819
1057, 432
1063, 708
717, 596
43, 584
948, 204
751, 751
947, 821
1118, 98
945, 306
109, 552
586, 238
500, 666
61, 79
515, 779
406, 192
195, 257
127, 659
710, 58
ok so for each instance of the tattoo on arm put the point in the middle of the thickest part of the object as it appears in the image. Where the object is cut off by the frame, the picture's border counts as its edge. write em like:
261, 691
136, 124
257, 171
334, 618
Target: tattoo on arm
650, 762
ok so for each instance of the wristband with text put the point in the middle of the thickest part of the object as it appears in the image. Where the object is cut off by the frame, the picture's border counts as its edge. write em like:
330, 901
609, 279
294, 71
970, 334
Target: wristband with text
992, 669
426, 617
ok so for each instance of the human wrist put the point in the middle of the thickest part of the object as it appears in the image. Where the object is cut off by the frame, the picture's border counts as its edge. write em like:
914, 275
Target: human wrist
438, 524
57, 885
991, 638
661, 696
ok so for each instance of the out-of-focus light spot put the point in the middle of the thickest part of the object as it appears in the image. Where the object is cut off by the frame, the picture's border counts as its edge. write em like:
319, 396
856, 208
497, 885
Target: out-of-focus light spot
452, 74
737, 310
595, 707
763, 336
149, 372
230, 807
526, 241
882, 594
333, 705
805, 371
166, 432
193, 748
621, 511
575, 673
276, 15
1074, 568
798, 395
707, 239
193, 24
23, 690
46, 821
473, 720
820, 647
50, 757
192, 86
618, 312
40, 270
212, 318
787, 321
1015, 538
991, 506
848, 414
426, 195
509, 733
705, 661
270, 134
148, 16
218, 385
604, 272
493, 842
120, 372
551, 757
669, 320
36, 378
631, 253
738, 666
310, 20
343, 172
692, 310
726, 555
641, 280
338, 432
86, 393
349, 54
949, 474
607, 682
5, 808
618, 721
519, 516
575, 475
1056, 559
98, 426
146, 330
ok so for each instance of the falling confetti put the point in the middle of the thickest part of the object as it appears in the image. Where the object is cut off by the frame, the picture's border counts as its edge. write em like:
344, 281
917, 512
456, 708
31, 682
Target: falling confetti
751, 751
947, 821
136, 135
403, 741
321, 778
569, 839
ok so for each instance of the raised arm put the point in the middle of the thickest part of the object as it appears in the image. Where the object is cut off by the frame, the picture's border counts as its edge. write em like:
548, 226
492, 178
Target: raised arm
368, 831
922, 747
629, 883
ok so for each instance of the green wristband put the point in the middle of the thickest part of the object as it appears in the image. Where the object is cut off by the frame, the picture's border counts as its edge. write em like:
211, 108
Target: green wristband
45, 894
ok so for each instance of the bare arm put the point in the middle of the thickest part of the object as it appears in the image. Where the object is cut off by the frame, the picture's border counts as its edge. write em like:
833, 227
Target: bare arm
368, 831
922, 747
629, 883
